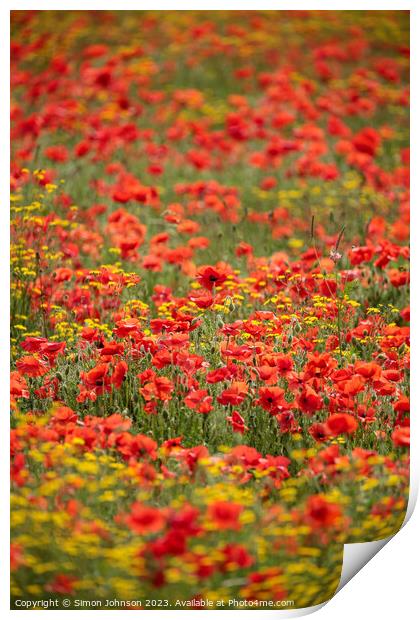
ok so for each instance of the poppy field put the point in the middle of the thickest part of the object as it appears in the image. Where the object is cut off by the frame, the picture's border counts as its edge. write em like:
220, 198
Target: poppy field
209, 303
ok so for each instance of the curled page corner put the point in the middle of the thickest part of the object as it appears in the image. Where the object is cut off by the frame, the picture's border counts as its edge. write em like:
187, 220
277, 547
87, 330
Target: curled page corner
357, 555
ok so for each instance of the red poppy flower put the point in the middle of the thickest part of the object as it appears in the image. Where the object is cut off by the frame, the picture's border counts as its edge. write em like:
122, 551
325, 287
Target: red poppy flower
233, 395
237, 422
401, 437
112, 348
225, 515
341, 423
96, 377
57, 153
246, 455
322, 513
309, 401
209, 277
398, 278
64, 415
32, 366
199, 400
171, 544
18, 385
352, 386
202, 299
62, 584
33, 344
287, 423
402, 405
319, 365
119, 373
320, 432
235, 556
367, 140
271, 399
368, 370
268, 374
16, 556
145, 519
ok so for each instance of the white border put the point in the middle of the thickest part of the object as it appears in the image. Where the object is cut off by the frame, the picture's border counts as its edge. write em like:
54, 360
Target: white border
357, 561
215, 5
